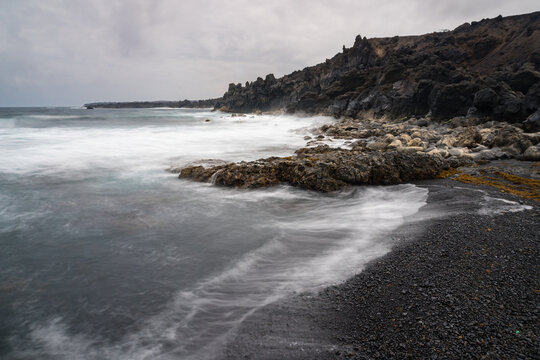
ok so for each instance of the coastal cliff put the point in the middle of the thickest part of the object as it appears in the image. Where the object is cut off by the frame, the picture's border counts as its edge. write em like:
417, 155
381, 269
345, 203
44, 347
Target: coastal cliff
409, 107
488, 68
460, 104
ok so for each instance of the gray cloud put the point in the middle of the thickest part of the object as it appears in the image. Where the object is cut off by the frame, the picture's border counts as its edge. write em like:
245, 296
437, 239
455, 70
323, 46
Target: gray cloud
66, 52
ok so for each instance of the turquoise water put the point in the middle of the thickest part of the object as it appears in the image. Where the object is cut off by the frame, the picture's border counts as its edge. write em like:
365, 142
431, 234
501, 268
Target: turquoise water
106, 255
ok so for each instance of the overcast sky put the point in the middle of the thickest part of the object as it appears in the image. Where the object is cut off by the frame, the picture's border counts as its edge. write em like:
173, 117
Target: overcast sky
68, 52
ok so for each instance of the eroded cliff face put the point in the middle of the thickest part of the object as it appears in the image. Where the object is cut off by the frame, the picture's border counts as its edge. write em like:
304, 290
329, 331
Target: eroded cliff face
489, 68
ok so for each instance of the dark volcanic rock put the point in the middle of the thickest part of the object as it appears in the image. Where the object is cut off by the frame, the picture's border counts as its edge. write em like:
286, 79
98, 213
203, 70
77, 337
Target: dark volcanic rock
511, 106
438, 73
469, 137
532, 124
324, 169
486, 99
454, 99
484, 46
507, 136
524, 79
532, 100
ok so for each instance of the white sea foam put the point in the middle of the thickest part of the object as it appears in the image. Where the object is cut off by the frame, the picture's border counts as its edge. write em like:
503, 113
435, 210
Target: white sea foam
495, 206
454, 203
137, 147
51, 117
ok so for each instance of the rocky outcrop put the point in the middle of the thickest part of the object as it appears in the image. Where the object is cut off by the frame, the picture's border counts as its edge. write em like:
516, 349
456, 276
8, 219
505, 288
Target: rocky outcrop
480, 81
488, 69
323, 169
378, 152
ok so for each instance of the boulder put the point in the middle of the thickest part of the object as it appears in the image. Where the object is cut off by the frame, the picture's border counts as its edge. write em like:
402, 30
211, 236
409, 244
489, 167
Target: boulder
439, 152
377, 146
353, 107
523, 80
469, 137
506, 136
472, 112
380, 105
532, 153
453, 99
416, 142
405, 138
534, 138
395, 144
338, 108
446, 140
532, 100
491, 154
388, 138
458, 121
484, 46
410, 149
513, 151
455, 152
422, 122
511, 105
485, 100
532, 123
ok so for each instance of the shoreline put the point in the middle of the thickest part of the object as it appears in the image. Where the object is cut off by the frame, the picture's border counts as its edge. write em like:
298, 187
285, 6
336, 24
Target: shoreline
461, 280
385, 152
457, 284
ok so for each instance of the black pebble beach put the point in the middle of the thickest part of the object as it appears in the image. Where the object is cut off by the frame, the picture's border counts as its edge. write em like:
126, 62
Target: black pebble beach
459, 284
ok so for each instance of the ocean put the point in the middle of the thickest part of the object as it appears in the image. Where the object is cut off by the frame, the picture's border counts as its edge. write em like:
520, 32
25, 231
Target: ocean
104, 254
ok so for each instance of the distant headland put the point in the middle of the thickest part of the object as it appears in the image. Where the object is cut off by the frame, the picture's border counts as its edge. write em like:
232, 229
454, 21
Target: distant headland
209, 103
